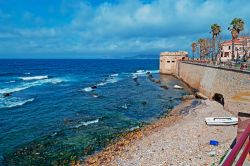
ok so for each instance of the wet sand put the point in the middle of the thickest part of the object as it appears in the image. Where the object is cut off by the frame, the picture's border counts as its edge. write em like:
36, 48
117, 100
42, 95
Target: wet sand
180, 138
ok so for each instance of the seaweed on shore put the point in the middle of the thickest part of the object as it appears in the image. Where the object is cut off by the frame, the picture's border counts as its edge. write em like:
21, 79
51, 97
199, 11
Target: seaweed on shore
186, 110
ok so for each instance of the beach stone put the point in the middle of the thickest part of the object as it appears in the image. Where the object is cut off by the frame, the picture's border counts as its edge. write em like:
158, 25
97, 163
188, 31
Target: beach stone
188, 97
157, 81
201, 96
176, 140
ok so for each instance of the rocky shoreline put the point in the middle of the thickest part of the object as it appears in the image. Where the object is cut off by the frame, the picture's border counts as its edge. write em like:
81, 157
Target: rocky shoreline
180, 138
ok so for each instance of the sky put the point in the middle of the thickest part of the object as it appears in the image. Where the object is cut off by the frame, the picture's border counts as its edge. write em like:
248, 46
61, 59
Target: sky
110, 28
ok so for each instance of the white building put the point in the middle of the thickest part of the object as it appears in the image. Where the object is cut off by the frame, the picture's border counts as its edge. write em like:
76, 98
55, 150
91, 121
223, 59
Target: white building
239, 45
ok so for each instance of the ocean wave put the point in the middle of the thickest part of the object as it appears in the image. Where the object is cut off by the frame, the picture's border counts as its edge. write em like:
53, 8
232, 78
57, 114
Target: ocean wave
34, 78
144, 72
30, 84
154, 71
133, 128
114, 75
12, 90
113, 78
139, 73
88, 89
10, 81
86, 123
13, 102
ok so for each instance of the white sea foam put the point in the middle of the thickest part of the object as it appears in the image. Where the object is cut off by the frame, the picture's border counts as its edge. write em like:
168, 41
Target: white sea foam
134, 76
86, 123
54, 81
154, 71
139, 73
125, 106
27, 85
27, 73
113, 78
114, 75
144, 72
11, 90
10, 81
88, 89
133, 128
102, 84
34, 78
13, 102
108, 81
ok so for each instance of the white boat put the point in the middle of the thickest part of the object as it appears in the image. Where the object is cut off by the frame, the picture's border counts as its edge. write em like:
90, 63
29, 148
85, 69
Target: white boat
178, 87
221, 121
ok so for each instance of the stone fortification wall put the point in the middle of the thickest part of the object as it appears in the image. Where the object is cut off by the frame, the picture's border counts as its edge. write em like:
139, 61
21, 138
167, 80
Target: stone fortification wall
233, 85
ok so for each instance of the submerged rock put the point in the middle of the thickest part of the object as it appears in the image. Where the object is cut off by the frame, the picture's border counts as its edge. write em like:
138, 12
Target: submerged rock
136, 80
144, 103
94, 87
164, 86
6, 94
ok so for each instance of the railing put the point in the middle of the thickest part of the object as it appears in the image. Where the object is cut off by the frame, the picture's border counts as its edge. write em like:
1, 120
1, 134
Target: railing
240, 67
243, 139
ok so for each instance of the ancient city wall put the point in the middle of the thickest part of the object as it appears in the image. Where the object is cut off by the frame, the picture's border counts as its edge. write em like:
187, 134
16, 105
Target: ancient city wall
233, 85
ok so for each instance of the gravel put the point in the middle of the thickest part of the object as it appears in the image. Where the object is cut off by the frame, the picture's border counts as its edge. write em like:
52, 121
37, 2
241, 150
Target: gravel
173, 140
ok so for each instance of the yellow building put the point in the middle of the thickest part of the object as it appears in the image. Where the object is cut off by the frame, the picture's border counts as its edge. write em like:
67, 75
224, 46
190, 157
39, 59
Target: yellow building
168, 61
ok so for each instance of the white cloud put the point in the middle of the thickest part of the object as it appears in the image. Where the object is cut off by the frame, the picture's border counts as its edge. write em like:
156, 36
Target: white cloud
128, 26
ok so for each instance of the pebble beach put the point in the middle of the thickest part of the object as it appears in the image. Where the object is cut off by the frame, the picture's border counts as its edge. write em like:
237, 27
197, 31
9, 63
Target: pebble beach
180, 138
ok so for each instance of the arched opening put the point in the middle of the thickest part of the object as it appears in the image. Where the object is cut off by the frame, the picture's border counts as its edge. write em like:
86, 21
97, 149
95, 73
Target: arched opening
219, 98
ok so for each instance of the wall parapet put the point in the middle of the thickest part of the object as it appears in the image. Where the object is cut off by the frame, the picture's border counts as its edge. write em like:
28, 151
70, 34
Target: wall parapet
217, 67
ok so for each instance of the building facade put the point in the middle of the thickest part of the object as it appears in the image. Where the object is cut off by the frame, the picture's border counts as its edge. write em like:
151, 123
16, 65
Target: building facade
240, 44
168, 61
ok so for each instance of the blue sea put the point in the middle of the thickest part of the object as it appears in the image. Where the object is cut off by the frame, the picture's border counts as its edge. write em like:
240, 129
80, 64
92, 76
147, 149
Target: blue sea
55, 111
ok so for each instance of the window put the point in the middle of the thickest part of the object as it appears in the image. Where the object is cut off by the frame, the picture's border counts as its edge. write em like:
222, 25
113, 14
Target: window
173, 61
226, 54
229, 47
168, 61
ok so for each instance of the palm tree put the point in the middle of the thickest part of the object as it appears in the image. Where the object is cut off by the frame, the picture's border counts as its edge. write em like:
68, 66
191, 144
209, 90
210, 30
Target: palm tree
245, 50
236, 26
201, 43
215, 30
194, 45
207, 46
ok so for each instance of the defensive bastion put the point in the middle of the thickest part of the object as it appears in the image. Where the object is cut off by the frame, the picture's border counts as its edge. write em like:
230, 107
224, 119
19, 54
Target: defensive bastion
234, 85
